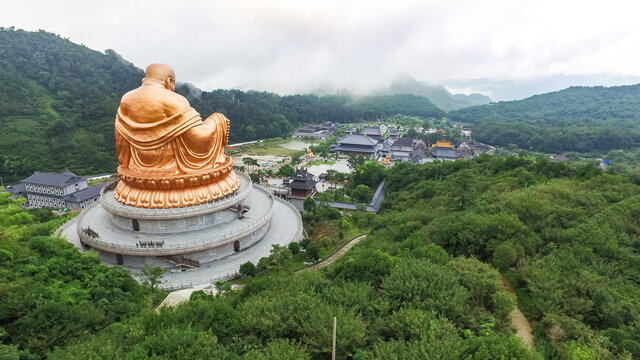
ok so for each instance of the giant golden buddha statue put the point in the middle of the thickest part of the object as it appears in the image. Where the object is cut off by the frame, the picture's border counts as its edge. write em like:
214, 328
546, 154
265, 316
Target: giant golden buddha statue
169, 157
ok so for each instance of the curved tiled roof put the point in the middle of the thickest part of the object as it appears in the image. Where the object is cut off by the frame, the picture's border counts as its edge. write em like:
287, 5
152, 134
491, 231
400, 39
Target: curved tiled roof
52, 179
302, 179
356, 139
15, 189
85, 194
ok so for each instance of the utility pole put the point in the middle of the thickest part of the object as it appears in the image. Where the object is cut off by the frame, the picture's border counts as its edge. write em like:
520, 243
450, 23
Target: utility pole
333, 351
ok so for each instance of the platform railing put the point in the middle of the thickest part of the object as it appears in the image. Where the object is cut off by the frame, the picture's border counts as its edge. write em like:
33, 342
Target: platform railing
204, 243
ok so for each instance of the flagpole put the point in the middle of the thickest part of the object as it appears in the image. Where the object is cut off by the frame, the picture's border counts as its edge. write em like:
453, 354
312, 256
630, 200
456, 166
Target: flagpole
333, 352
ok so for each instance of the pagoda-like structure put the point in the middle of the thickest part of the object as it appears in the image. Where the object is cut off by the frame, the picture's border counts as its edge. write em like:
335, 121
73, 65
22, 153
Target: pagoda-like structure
302, 184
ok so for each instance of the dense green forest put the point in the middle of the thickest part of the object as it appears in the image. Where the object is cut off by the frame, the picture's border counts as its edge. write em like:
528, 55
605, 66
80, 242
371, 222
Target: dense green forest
49, 292
423, 285
58, 102
583, 119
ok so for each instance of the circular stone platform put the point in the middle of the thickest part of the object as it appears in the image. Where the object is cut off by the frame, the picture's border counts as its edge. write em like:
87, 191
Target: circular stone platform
196, 244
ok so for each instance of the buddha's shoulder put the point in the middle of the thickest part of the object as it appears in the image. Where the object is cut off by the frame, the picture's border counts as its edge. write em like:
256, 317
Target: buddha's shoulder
153, 94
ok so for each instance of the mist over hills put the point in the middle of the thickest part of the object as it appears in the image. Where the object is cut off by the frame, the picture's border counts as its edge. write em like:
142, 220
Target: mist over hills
403, 84
58, 100
437, 94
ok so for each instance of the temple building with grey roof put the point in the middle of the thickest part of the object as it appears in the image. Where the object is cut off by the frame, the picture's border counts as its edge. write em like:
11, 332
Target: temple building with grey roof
318, 132
357, 145
55, 190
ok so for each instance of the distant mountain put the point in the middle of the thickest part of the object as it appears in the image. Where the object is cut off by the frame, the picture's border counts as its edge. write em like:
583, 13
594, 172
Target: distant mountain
518, 89
581, 119
58, 101
475, 98
437, 94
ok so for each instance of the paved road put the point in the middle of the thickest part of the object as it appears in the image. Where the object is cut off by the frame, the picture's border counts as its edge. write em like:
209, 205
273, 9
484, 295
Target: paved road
335, 256
69, 232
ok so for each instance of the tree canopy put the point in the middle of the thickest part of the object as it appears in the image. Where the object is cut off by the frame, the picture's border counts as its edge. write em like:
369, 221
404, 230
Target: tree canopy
421, 285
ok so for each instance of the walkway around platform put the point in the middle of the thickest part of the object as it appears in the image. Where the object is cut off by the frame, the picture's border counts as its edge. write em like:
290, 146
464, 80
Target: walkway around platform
115, 239
69, 231
279, 233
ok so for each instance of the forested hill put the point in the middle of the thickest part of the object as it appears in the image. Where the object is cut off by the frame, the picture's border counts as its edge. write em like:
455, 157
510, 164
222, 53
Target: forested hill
58, 101
575, 119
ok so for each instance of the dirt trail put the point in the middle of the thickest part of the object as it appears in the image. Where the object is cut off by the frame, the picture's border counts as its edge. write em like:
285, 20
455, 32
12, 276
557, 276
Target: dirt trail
518, 320
335, 256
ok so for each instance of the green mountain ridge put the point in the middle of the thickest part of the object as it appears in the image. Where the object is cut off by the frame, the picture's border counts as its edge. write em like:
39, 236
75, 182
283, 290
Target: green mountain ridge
582, 119
58, 101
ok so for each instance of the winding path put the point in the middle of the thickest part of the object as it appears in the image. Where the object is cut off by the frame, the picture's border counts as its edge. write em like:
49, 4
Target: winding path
518, 320
335, 256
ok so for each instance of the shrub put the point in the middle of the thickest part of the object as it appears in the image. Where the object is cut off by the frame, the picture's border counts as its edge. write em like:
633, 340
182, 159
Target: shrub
248, 269
294, 247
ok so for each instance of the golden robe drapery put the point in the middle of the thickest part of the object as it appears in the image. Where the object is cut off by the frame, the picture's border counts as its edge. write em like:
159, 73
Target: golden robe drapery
168, 156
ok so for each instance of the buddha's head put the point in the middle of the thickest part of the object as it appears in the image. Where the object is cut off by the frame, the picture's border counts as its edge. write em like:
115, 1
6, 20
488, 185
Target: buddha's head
161, 73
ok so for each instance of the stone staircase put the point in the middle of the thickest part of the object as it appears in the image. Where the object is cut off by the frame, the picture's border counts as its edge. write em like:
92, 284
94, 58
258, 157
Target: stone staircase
181, 260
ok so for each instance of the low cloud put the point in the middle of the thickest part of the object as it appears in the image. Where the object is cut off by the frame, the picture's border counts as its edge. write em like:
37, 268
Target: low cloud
293, 46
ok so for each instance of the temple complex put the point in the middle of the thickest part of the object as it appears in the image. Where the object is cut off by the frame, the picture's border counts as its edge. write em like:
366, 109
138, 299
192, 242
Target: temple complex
178, 203
443, 150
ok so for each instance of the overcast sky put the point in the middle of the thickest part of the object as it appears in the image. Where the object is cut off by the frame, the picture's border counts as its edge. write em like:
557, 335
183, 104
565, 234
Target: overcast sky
300, 46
